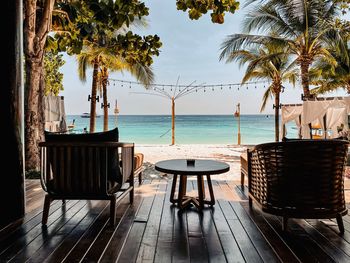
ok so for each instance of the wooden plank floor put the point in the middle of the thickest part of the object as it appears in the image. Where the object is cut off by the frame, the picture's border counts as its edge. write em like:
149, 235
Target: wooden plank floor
152, 230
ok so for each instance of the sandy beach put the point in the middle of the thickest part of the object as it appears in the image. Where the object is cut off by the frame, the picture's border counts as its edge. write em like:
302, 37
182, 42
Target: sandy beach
221, 152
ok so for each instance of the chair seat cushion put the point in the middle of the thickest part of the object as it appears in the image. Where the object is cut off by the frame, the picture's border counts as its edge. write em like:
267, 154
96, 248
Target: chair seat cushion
138, 160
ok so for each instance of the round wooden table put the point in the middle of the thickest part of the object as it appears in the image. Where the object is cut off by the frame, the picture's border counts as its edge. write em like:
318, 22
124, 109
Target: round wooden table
200, 168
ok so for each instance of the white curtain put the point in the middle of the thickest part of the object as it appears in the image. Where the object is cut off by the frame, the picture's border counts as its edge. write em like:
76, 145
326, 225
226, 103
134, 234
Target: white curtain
337, 117
290, 113
336, 111
312, 111
55, 113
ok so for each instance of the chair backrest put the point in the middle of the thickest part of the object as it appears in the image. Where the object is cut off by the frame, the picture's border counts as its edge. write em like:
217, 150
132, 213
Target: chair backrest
85, 164
298, 173
85, 169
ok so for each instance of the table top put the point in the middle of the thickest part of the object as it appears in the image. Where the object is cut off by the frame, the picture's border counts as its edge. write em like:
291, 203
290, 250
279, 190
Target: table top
200, 167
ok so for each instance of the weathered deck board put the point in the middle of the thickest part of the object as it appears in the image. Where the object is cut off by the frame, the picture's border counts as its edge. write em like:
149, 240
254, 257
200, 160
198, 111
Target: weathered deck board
153, 230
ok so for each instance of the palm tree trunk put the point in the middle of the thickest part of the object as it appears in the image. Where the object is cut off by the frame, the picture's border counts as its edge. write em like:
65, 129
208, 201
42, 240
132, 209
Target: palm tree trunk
304, 68
35, 35
93, 96
277, 120
105, 106
32, 118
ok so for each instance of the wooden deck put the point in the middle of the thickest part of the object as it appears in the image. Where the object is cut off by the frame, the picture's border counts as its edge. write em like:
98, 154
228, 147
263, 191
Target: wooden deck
152, 230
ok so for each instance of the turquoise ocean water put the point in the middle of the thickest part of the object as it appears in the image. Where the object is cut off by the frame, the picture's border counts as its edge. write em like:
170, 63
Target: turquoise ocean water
189, 129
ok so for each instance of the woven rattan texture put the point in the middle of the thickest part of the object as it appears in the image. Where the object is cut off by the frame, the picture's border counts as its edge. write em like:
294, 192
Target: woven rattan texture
302, 178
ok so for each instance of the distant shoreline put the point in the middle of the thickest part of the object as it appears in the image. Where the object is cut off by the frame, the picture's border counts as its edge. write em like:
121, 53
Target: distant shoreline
189, 129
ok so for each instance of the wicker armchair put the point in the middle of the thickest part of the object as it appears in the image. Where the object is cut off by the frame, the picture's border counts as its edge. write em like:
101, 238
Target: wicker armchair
299, 179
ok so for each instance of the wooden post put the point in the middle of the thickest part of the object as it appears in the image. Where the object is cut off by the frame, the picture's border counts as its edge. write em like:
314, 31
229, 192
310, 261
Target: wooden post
239, 124
172, 120
12, 187
116, 111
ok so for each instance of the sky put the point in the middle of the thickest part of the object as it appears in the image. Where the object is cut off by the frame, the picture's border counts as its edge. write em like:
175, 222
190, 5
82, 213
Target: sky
190, 54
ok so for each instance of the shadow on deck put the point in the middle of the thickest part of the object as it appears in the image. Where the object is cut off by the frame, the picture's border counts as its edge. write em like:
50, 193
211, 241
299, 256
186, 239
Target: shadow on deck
152, 230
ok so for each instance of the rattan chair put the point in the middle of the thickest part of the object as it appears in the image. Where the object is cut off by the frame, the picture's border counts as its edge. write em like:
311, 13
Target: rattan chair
299, 179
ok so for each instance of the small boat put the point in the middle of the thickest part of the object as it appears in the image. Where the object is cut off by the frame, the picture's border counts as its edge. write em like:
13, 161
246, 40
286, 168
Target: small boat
87, 115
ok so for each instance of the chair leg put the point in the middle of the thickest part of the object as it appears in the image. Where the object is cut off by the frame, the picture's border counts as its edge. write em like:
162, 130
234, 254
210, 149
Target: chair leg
250, 202
112, 210
140, 178
284, 223
242, 180
46, 209
340, 223
131, 195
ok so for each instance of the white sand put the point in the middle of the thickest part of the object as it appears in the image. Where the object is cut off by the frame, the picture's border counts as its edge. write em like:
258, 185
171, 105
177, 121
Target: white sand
221, 152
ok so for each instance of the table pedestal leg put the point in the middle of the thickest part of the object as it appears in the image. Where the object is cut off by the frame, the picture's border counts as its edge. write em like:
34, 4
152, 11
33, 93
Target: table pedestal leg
172, 200
182, 190
183, 200
212, 199
201, 193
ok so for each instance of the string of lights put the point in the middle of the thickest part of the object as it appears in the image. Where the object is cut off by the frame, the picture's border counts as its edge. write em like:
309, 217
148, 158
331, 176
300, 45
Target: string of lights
185, 89
174, 92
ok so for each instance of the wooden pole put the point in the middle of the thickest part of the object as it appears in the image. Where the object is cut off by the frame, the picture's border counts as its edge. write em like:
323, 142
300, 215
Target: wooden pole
116, 111
239, 124
12, 187
172, 121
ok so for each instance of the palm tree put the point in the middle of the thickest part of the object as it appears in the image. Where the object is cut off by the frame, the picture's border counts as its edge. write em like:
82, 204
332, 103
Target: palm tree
269, 62
303, 26
90, 57
327, 77
102, 59
142, 73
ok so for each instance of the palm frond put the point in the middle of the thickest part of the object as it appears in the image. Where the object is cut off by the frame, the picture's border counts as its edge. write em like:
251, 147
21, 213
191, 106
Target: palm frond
238, 41
142, 73
265, 17
83, 64
254, 75
326, 56
266, 96
291, 76
242, 56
